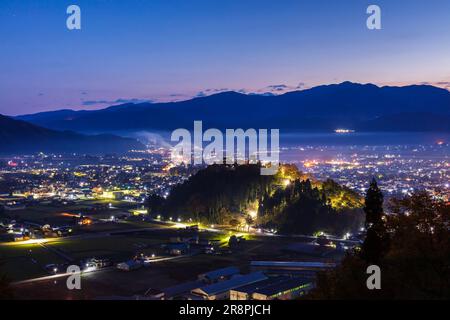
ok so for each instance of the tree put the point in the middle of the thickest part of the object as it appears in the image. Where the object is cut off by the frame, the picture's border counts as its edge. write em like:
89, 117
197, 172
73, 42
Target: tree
416, 264
249, 221
420, 246
154, 204
6, 291
219, 193
234, 223
373, 205
376, 241
232, 242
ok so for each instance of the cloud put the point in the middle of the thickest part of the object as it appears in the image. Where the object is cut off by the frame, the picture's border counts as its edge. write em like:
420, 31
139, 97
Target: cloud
117, 101
200, 94
208, 92
441, 84
277, 87
280, 89
445, 84
134, 100
274, 89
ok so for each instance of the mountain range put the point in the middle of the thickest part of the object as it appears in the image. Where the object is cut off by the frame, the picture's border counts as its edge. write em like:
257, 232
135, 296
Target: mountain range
17, 136
362, 107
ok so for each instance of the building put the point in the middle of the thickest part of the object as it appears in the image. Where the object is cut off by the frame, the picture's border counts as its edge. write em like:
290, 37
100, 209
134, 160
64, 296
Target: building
218, 275
181, 290
306, 269
177, 249
118, 195
221, 290
274, 288
18, 237
129, 265
13, 206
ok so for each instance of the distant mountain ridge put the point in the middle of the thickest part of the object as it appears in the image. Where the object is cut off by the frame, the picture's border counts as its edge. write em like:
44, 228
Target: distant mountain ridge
364, 107
21, 137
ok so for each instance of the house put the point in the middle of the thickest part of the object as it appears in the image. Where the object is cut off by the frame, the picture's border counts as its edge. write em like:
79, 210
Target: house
97, 263
14, 206
221, 290
218, 275
177, 249
18, 237
129, 265
209, 242
182, 289
245, 292
118, 195
192, 228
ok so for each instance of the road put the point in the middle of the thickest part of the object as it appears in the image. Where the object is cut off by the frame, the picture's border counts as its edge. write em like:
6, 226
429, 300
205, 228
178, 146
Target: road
43, 243
62, 275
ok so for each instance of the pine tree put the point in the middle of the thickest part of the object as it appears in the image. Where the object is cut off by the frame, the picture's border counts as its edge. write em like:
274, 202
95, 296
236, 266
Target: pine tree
154, 204
373, 205
376, 242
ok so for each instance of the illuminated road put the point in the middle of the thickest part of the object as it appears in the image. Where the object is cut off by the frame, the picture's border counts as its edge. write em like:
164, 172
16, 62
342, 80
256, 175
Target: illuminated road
63, 275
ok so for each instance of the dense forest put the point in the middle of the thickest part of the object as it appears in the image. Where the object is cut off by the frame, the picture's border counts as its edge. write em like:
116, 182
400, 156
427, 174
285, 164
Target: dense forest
302, 208
410, 245
237, 195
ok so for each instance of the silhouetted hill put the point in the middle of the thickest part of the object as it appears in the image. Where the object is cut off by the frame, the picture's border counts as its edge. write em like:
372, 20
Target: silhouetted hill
322, 108
21, 137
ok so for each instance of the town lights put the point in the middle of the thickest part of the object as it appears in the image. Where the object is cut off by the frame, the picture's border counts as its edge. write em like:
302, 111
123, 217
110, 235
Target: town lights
253, 213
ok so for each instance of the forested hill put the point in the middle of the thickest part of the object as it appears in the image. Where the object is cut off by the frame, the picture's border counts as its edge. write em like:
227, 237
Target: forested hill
18, 137
288, 201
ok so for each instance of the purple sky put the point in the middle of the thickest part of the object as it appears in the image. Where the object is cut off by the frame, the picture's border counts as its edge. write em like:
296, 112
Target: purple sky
159, 50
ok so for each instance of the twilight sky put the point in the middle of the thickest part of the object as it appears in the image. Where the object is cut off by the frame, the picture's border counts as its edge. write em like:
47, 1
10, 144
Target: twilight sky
159, 50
